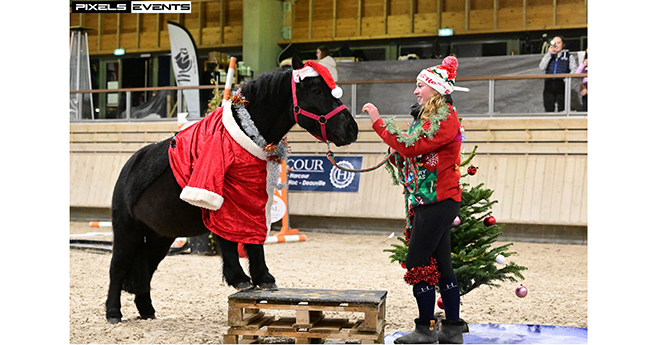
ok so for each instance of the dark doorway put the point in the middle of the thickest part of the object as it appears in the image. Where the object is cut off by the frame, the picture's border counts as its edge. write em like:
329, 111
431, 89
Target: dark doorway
136, 73
164, 68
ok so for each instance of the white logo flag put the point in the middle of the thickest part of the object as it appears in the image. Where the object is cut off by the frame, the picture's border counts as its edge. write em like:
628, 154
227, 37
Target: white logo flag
184, 65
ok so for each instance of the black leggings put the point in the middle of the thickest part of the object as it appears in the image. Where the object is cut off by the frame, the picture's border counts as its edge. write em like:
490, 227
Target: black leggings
431, 236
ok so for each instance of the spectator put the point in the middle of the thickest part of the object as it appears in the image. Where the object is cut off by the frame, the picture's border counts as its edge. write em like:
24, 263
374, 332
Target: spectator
556, 61
583, 86
323, 54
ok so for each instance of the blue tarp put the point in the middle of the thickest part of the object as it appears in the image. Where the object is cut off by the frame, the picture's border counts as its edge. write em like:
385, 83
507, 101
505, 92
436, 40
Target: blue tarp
516, 334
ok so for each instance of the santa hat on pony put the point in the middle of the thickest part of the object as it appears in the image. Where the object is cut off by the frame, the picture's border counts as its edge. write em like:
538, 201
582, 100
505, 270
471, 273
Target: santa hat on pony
442, 78
315, 69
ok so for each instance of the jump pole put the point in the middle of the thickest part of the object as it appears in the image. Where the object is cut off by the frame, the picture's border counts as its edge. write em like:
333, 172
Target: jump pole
286, 238
183, 122
100, 224
286, 229
230, 79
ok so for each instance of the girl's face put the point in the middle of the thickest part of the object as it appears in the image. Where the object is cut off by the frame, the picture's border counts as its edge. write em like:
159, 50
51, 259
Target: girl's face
423, 92
559, 43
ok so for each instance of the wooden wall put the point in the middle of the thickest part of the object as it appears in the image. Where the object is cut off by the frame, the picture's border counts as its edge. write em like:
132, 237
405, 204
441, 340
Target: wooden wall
98, 151
345, 20
212, 23
537, 168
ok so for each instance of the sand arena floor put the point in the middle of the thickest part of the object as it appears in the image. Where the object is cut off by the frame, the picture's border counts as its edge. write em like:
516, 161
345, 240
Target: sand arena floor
191, 299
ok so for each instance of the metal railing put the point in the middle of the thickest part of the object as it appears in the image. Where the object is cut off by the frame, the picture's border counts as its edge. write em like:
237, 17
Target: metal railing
180, 105
490, 111
353, 97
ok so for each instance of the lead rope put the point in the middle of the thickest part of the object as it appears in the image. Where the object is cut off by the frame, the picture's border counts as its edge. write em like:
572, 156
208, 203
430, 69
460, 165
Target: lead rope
407, 170
331, 158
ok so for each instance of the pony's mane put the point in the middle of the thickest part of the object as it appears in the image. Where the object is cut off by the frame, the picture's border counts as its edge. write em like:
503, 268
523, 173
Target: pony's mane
272, 88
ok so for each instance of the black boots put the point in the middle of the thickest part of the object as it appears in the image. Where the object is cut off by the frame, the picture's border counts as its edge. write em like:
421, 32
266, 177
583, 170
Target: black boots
451, 332
425, 333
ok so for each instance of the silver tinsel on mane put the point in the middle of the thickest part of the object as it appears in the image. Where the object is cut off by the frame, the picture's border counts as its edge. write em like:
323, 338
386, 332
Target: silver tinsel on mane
281, 151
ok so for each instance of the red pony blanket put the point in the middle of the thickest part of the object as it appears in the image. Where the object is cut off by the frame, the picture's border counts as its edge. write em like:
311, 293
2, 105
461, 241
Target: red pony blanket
225, 173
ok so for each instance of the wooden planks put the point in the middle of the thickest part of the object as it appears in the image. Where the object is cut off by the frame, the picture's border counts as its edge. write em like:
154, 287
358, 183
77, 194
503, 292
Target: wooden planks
92, 178
117, 137
537, 168
510, 136
368, 19
98, 151
535, 189
246, 318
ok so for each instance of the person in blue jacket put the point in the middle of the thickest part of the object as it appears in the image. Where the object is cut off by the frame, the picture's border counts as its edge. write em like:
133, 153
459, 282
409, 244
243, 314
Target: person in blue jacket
556, 61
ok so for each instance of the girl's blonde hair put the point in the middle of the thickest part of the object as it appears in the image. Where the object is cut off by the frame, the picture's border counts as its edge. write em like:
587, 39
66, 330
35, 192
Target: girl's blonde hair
431, 106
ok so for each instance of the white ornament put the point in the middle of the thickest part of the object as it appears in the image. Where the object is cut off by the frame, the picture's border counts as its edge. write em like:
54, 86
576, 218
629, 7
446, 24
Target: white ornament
500, 259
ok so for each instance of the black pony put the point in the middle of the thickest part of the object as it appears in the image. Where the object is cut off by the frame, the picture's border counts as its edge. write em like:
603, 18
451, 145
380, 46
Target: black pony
148, 214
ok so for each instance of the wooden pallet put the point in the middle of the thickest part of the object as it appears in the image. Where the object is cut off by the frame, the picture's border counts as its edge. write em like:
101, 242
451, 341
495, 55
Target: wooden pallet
248, 321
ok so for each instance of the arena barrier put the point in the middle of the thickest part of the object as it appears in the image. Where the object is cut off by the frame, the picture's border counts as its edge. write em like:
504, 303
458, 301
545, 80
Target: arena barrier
283, 236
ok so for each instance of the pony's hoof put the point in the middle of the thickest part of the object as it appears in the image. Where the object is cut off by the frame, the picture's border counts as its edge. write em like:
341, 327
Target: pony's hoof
147, 317
268, 286
114, 320
243, 286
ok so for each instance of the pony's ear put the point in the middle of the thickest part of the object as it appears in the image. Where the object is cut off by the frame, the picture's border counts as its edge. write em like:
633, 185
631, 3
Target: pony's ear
296, 63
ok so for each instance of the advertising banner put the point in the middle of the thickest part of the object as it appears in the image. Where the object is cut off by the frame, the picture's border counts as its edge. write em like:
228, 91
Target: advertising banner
184, 64
317, 174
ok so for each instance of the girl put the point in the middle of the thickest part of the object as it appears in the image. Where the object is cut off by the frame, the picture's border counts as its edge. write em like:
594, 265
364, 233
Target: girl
431, 144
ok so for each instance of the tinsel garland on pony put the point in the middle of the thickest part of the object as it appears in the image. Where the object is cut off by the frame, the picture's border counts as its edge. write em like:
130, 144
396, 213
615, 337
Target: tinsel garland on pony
275, 154
404, 171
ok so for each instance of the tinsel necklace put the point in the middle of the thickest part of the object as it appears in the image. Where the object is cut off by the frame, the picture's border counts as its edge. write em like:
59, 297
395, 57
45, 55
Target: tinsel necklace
409, 139
404, 170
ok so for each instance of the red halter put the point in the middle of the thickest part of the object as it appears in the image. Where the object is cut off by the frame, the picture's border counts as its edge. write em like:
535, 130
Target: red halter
322, 119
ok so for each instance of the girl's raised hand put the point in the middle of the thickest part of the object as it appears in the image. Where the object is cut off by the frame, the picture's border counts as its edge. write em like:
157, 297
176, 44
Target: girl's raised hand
372, 111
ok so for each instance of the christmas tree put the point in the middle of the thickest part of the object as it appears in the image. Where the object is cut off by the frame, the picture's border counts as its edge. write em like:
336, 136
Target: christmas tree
473, 257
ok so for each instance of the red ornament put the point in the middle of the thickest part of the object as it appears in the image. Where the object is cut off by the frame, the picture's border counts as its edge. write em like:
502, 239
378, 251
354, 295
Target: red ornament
489, 221
403, 265
440, 304
472, 170
521, 291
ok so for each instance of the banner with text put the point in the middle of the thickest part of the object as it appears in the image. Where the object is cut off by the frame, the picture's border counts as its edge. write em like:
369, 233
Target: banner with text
317, 174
